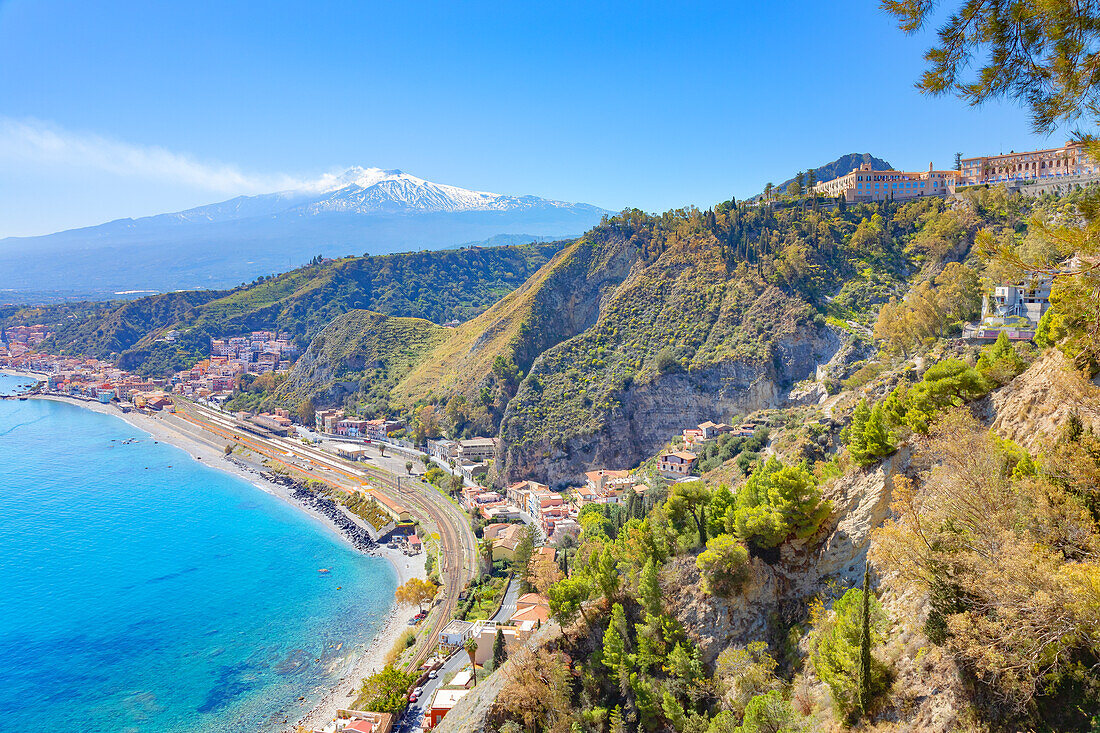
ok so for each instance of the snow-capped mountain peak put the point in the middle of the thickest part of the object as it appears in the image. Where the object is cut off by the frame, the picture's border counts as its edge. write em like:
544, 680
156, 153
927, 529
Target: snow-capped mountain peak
373, 190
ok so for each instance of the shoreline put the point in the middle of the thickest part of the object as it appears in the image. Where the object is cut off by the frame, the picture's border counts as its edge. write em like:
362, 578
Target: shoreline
361, 662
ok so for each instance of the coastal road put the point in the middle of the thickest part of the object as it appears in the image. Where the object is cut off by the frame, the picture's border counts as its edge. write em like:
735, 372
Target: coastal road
460, 659
458, 548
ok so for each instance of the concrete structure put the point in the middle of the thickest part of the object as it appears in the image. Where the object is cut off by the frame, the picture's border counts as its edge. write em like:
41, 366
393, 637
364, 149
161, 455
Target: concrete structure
1029, 299
866, 184
476, 450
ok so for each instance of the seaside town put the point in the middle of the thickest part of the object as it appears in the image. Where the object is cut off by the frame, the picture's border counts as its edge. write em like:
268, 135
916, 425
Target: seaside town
521, 523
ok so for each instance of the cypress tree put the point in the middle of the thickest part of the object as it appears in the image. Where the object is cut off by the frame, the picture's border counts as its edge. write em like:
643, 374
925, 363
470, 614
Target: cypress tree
500, 651
864, 700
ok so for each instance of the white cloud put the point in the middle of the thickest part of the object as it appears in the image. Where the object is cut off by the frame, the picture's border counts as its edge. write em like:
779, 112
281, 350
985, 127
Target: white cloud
39, 143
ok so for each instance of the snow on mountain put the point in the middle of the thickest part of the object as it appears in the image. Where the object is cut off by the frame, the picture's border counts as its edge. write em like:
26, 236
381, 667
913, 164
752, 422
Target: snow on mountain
361, 210
372, 190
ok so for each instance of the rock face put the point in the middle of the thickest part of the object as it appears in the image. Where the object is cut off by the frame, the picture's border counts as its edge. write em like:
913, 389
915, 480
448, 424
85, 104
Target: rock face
652, 412
1039, 401
860, 502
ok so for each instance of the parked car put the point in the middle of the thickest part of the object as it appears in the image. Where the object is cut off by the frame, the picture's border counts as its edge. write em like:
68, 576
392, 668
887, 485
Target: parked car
418, 691
413, 697
414, 621
433, 674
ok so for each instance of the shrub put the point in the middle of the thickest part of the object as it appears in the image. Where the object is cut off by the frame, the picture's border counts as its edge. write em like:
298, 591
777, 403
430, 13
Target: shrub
666, 361
724, 566
777, 503
385, 690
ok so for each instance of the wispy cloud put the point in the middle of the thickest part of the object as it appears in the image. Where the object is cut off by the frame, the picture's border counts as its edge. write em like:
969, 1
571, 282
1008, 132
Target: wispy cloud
35, 142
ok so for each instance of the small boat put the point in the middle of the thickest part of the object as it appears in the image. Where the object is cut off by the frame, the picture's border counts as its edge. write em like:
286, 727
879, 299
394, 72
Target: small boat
323, 570
337, 587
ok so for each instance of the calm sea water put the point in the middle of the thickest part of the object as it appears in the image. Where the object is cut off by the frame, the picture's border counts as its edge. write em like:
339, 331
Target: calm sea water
144, 591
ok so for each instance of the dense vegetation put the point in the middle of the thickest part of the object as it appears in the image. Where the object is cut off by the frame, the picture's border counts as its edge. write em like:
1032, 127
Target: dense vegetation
991, 555
437, 286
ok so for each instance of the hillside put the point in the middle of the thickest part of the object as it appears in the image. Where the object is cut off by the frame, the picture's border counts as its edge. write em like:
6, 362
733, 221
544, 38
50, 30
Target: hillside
933, 569
648, 324
360, 352
436, 286
479, 362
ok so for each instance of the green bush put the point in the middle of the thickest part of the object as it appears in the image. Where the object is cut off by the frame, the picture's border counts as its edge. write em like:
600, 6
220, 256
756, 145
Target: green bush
776, 504
868, 437
724, 565
385, 691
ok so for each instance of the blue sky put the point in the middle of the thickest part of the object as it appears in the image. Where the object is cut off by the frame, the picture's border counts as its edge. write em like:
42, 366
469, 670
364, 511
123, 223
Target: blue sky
113, 109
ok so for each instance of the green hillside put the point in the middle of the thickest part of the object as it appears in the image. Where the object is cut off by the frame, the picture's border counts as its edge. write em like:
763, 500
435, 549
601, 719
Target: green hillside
438, 286
650, 323
360, 352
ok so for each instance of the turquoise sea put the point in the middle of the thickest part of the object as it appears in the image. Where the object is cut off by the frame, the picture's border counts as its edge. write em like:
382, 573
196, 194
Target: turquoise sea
143, 591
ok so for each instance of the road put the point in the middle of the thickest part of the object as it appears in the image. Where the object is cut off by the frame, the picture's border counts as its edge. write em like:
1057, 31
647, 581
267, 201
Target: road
458, 548
457, 661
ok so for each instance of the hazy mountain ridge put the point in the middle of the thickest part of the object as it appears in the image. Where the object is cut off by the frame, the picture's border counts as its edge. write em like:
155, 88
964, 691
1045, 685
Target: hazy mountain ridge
223, 244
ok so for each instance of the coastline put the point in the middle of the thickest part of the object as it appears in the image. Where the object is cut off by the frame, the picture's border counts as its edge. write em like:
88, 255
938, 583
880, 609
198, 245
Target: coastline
359, 663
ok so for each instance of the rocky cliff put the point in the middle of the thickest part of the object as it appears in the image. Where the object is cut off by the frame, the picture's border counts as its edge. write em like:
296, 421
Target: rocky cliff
681, 341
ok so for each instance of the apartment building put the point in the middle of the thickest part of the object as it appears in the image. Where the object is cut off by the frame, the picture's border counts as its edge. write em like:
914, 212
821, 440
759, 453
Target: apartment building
1068, 160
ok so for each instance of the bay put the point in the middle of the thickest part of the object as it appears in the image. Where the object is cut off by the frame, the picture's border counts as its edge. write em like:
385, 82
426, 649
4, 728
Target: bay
145, 591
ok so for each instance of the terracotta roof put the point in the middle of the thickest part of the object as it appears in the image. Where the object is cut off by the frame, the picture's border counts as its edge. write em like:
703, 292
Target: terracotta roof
360, 726
531, 599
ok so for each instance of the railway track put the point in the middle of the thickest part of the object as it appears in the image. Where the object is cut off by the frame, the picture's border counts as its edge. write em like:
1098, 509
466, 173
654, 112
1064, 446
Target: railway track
457, 546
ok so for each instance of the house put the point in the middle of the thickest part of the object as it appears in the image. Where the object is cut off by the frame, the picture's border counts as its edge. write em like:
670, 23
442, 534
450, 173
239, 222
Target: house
607, 484
532, 608
1029, 299
565, 527
455, 634
476, 450
744, 430
517, 493
504, 546
492, 531
358, 721
442, 703
676, 464
325, 420
442, 449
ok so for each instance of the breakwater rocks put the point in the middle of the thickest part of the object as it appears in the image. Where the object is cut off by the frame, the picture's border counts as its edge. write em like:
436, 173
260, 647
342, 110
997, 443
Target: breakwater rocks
358, 536
306, 497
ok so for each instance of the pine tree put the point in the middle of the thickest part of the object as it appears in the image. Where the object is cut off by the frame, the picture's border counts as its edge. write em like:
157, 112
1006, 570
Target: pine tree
868, 435
649, 590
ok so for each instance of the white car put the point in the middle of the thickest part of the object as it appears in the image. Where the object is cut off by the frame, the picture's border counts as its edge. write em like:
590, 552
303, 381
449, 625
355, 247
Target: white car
433, 674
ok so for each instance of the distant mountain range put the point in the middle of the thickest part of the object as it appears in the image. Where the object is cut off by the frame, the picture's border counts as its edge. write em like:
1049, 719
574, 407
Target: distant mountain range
362, 211
842, 165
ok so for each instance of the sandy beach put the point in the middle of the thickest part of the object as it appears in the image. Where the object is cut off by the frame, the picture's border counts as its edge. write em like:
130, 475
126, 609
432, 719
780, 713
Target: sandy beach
209, 450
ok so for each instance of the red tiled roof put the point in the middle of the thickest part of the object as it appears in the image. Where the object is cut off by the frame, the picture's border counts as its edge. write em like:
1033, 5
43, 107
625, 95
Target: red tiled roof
360, 726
